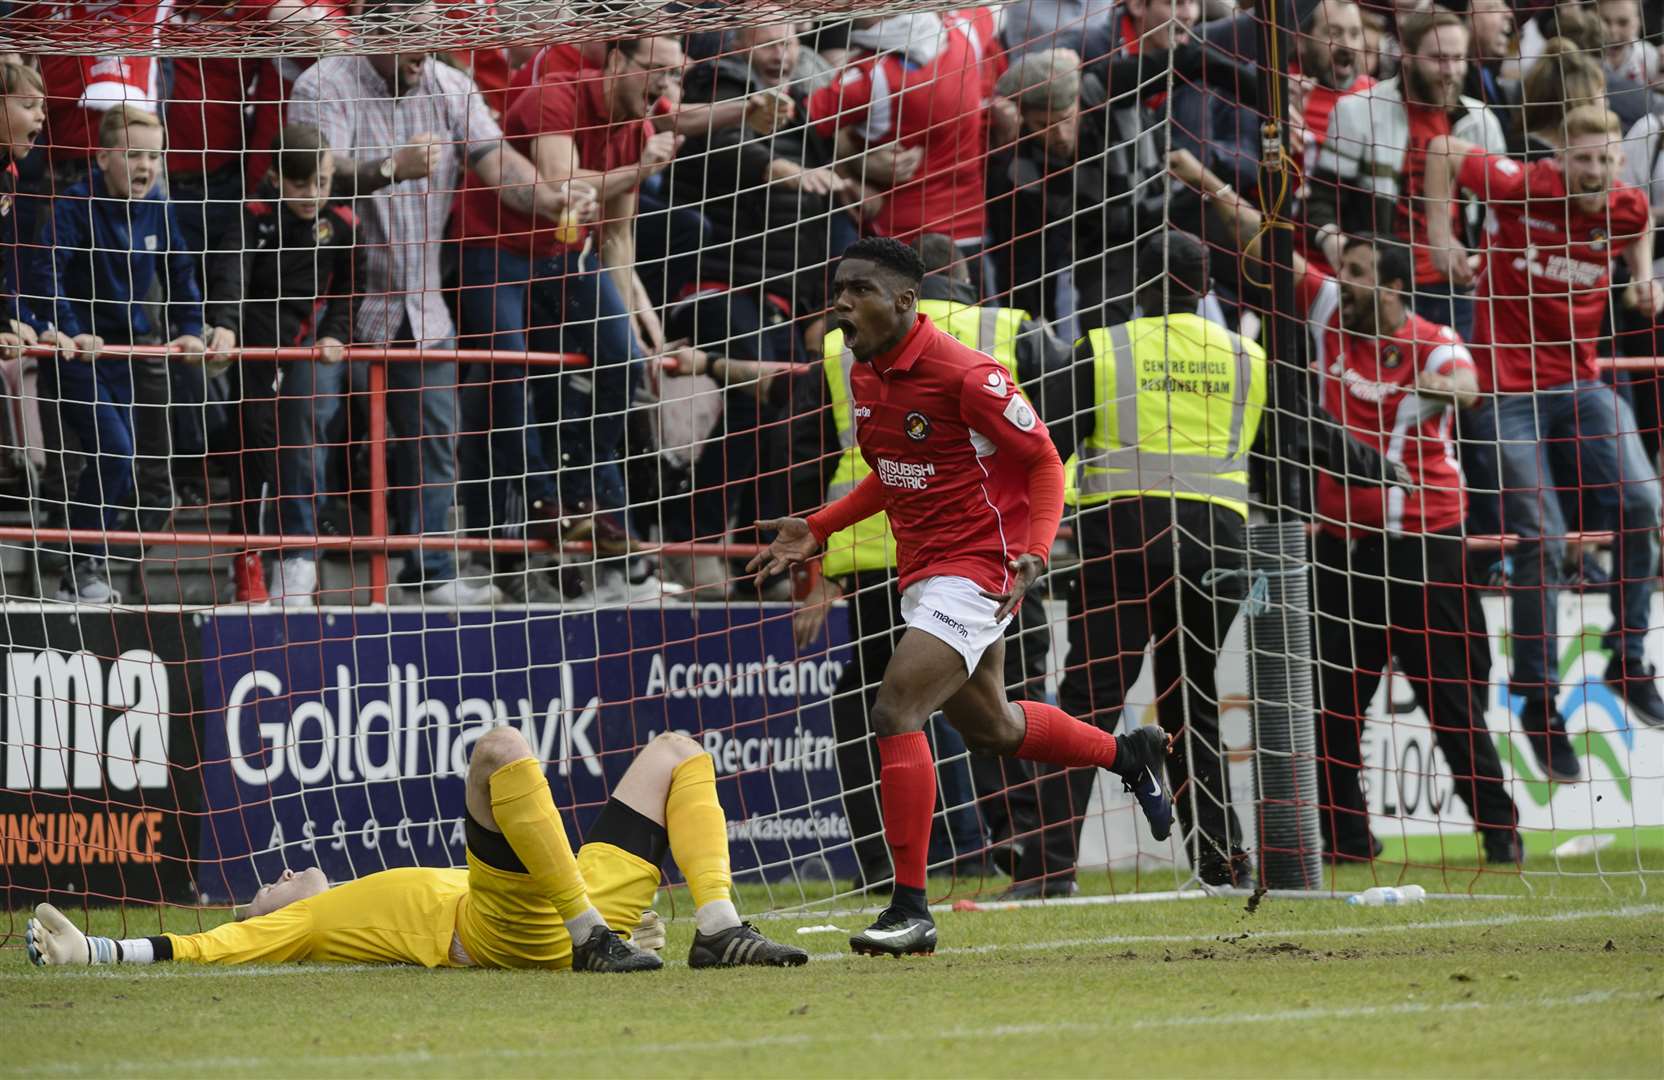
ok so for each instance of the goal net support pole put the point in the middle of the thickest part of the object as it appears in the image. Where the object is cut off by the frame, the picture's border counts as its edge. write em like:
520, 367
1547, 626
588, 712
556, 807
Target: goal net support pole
1279, 626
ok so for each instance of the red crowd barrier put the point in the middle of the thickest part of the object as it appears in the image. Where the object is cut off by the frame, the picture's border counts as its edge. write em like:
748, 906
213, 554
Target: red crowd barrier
378, 543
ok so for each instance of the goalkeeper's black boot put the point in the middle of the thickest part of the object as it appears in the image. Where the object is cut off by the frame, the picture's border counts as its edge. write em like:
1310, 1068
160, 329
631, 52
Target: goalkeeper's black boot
607, 951
742, 946
896, 933
1141, 759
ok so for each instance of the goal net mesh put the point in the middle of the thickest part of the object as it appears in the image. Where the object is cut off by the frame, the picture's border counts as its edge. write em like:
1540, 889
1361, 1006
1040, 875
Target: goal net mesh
386, 444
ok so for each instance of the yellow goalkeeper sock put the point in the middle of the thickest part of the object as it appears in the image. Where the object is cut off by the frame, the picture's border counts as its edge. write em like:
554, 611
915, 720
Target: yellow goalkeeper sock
525, 812
699, 842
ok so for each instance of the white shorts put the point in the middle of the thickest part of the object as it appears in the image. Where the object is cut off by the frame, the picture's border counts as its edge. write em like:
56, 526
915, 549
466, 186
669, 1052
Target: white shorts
954, 610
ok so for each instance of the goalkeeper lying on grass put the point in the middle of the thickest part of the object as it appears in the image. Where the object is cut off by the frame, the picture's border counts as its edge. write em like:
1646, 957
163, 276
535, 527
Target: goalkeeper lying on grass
524, 900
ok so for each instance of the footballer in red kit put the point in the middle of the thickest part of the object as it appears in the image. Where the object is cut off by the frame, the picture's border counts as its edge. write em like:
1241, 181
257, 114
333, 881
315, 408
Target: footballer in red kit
1555, 225
973, 488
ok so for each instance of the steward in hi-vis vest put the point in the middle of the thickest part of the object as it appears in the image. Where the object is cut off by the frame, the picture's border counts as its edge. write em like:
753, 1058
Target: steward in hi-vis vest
1169, 407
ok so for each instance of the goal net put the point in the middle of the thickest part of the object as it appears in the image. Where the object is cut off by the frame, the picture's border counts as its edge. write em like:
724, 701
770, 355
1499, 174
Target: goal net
382, 374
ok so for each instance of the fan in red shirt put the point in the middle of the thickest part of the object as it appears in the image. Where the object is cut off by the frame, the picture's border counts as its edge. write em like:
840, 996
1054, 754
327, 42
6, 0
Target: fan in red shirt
80, 89
915, 83
1331, 54
1554, 227
1544, 289
974, 492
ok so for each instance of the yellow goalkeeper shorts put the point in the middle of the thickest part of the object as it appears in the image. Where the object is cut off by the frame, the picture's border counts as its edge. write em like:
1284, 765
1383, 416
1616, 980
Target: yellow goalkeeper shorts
506, 921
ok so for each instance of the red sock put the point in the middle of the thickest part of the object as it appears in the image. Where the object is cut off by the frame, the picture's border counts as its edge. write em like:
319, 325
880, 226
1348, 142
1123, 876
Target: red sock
1056, 738
907, 789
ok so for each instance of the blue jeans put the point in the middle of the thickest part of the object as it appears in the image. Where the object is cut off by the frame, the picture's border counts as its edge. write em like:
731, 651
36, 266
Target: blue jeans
309, 406
509, 302
95, 401
1439, 302
421, 457
1587, 422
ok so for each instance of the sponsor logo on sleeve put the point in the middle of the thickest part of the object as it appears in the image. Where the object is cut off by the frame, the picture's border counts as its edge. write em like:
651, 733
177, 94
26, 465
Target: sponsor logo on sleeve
1018, 412
996, 384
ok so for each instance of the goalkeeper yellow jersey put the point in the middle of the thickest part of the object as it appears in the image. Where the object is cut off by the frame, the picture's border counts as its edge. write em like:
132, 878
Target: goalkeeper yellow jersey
404, 916
412, 915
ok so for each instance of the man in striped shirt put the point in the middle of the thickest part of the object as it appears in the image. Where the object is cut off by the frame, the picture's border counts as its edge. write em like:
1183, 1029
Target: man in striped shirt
405, 126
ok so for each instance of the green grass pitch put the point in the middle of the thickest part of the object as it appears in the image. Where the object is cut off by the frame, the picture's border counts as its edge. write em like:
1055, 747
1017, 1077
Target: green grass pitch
1565, 977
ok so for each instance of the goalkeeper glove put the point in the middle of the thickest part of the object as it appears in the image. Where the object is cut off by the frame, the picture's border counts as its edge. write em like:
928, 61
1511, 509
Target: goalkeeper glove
649, 934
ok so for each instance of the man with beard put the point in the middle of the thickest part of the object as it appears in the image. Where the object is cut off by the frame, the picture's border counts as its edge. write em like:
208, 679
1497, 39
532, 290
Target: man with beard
1555, 226
1331, 44
1368, 175
1389, 559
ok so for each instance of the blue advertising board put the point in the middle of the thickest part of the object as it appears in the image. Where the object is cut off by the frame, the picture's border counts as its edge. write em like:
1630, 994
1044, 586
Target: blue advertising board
340, 739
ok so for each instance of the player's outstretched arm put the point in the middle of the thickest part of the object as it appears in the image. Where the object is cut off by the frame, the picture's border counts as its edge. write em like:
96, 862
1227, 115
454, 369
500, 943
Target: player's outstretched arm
793, 543
799, 539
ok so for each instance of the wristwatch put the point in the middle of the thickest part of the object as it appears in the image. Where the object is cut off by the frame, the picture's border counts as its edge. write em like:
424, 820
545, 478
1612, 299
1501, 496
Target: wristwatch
389, 169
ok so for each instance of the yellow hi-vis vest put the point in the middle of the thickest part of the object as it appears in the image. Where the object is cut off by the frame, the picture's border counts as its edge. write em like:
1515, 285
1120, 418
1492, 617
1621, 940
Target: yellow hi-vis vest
868, 545
1178, 403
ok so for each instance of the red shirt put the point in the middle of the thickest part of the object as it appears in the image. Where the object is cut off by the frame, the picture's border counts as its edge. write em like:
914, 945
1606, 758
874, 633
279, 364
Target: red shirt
936, 106
208, 127
1543, 292
1368, 383
951, 442
982, 34
1426, 122
557, 106
79, 89
1319, 106
551, 61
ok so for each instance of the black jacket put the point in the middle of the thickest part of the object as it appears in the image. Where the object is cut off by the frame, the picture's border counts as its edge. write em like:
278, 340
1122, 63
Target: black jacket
760, 234
1045, 216
287, 281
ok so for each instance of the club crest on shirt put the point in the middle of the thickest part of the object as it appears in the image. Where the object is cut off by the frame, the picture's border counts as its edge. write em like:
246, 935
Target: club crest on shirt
917, 426
1597, 239
5, 205
324, 230
1391, 357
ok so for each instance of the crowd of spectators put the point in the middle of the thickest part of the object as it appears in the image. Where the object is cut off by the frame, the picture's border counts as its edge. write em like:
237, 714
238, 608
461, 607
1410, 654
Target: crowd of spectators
667, 209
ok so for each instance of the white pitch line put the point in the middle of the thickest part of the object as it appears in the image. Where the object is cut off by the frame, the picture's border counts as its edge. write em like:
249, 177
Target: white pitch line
290, 1062
1258, 935
188, 971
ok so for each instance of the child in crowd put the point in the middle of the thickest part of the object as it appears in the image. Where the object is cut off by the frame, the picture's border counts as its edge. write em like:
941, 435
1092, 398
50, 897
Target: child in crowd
111, 243
22, 114
287, 280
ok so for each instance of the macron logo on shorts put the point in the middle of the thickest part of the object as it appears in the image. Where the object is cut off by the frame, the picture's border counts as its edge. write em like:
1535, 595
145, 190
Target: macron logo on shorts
958, 627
